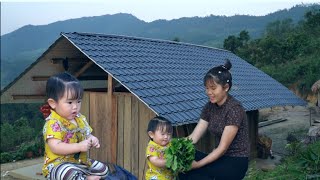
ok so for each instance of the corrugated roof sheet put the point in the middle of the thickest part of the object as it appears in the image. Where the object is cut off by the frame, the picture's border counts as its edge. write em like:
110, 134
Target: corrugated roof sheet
168, 76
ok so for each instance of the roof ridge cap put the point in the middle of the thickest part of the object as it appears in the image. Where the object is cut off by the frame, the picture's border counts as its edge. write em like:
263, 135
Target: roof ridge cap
143, 38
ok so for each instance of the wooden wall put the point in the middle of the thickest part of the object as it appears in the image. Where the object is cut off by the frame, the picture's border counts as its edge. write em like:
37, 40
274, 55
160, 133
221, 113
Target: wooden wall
129, 119
132, 117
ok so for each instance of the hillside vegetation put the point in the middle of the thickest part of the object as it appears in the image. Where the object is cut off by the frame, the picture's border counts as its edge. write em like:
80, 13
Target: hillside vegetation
23, 46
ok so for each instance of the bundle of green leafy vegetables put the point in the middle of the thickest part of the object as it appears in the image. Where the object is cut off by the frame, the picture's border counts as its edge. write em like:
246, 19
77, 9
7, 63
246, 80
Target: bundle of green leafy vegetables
179, 155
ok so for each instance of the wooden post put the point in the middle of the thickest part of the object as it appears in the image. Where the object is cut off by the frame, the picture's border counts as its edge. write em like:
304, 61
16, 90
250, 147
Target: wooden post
253, 119
112, 110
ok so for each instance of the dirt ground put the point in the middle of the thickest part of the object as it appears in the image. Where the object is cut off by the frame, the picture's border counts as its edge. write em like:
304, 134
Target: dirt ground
5, 168
297, 119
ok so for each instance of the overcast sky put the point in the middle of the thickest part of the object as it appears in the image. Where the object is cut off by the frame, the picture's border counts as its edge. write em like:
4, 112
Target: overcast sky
15, 14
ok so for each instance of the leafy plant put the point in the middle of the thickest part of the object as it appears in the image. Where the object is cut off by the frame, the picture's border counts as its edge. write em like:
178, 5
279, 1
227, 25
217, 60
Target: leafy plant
309, 159
179, 155
293, 148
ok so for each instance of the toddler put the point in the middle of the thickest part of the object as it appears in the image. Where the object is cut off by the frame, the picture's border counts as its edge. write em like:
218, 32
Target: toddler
67, 134
160, 131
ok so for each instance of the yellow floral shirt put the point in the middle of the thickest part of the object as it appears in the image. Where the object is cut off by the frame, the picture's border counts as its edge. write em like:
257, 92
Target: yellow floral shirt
59, 128
153, 172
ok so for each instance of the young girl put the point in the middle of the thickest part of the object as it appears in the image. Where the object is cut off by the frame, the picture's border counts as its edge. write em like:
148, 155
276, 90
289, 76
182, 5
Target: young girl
160, 132
67, 134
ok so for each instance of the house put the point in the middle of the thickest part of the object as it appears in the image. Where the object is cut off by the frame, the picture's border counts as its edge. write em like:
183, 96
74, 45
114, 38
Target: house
129, 80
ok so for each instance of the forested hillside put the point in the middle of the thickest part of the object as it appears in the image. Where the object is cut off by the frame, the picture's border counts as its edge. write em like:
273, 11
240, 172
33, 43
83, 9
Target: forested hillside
288, 52
23, 46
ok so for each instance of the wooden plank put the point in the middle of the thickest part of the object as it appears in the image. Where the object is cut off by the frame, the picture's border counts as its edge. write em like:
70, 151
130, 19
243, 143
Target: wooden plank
114, 125
113, 122
120, 150
93, 123
105, 120
135, 136
145, 114
127, 134
100, 121
179, 131
269, 122
17, 97
85, 105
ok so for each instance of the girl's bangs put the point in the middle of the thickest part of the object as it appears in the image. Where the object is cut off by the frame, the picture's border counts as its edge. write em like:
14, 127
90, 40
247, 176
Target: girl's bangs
211, 80
74, 90
165, 127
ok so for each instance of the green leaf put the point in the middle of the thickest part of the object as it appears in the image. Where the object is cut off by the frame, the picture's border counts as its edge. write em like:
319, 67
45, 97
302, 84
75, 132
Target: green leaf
179, 155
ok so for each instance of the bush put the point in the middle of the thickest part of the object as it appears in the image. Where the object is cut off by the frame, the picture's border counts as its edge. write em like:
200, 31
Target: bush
7, 137
21, 131
6, 157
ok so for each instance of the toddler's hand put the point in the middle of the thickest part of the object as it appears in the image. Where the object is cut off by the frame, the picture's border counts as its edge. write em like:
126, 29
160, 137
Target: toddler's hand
94, 141
85, 145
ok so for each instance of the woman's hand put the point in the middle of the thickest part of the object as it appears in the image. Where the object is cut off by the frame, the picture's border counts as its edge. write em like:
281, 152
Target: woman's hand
195, 165
94, 141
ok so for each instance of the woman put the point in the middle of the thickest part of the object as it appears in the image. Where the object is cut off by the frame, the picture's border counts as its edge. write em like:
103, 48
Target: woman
224, 117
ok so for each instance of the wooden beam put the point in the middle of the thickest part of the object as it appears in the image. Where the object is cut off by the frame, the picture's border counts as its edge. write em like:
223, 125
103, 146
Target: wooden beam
45, 78
17, 97
40, 78
87, 78
60, 60
84, 68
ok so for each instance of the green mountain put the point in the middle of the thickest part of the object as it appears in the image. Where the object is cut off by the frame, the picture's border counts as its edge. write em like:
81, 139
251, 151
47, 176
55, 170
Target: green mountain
23, 46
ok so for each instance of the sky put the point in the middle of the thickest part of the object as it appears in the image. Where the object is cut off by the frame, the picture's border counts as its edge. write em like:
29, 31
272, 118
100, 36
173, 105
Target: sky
18, 13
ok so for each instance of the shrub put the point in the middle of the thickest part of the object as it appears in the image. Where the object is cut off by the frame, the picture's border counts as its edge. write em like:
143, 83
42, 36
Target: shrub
7, 136
6, 157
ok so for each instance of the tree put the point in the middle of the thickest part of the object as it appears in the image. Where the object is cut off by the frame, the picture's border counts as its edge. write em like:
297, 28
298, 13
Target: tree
279, 29
176, 39
244, 37
231, 43
313, 19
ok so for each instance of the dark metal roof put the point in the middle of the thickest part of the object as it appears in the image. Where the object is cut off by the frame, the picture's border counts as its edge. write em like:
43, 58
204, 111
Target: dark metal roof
168, 76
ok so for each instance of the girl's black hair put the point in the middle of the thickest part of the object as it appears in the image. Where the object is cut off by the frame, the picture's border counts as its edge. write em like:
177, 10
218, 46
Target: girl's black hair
220, 75
160, 123
58, 84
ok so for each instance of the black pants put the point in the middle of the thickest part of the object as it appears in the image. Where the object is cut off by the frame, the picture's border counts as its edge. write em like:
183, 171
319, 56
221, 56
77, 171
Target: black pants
225, 168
